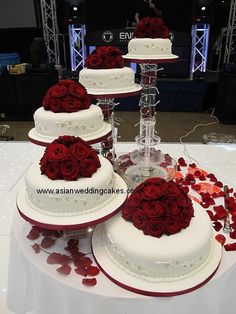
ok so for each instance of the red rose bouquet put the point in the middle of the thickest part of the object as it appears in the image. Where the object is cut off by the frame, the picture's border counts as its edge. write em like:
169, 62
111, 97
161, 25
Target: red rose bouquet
66, 96
158, 207
106, 57
151, 27
69, 158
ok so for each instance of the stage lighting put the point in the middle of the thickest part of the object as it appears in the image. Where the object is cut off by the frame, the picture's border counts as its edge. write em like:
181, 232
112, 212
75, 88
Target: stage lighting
203, 8
75, 8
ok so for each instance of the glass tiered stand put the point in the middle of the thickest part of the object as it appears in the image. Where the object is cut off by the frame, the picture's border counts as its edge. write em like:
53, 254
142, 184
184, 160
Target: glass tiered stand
107, 103
147, 160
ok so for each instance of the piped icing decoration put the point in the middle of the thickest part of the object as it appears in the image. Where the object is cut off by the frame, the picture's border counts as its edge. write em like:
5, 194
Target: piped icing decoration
158, 207
69, 158
66, 96
151, 27
105, 57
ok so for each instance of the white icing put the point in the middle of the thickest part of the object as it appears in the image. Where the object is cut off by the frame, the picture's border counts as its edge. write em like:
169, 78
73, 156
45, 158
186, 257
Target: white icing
61, 203
152, 47
86, 122
165, 258
107, 79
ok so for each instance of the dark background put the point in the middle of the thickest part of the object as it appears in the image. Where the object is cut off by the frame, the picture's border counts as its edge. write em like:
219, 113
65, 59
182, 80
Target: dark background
99, 15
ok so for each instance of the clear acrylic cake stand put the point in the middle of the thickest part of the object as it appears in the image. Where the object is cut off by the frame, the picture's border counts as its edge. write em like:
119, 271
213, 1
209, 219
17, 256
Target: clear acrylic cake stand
106, 147
147, 161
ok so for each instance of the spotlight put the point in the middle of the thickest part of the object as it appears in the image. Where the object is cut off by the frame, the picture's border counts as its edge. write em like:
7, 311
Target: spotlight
203, 8
75, 8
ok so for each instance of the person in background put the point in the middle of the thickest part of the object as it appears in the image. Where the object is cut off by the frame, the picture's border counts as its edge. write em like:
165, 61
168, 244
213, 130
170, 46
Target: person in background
148, 8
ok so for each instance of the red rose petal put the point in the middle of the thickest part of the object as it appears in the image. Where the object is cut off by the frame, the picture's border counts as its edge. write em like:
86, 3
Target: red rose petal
64, 269
220, 238
89, 282
202, 178
182, 162
93, 271
81, 270
233, 225
210, 213
33, 234
36, 248
85, 261
47, 243
57, 258
217, 226
51, 233
219, 184
230, 246
233, 234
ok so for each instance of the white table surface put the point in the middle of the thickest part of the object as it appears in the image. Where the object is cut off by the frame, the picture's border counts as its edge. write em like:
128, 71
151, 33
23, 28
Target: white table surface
35, 285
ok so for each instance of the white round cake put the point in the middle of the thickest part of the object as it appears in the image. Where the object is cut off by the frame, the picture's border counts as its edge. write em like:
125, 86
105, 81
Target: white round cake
87, 124
69, 198
165, 259
150, 48
104, 81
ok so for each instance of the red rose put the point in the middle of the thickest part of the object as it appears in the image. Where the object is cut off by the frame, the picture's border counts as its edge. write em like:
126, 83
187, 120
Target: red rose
85, 102
70, 169
140, 33
57, 91
173, 224
120, 62
127, 212
109, 62
155, 228
157, 21
153, 209
172, 208
46, 102
185, 217
113, 51
71, 104
52, 170
165, 33
65, 83
135, 199
95, 158
66, 140
151, 192
94, 61
56, 104
56, 152
80, 151
43, 163
88, 168
139, 219
173, 190
77, 90
183, 200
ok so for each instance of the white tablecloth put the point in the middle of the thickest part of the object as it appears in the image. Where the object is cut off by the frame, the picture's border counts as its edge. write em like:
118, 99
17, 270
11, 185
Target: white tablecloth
35, 285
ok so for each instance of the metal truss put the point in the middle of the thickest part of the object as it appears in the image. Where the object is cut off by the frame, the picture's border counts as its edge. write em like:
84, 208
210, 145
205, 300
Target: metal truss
229, 45
50, 29
200, 40
77, 46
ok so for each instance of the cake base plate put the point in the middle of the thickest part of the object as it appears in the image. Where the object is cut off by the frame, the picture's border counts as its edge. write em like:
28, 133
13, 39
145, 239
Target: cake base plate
101, 94
73, 222
35, 138
147, 59
158, 289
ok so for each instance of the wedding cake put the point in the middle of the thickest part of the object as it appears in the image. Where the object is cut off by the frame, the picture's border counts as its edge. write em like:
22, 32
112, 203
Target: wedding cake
105, 73
151, 41
67, 109
69, 180
159, 239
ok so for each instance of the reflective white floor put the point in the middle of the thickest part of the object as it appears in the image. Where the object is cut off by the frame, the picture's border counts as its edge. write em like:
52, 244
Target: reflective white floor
16, 157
